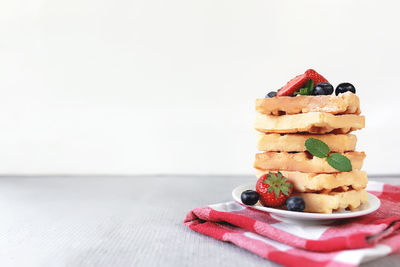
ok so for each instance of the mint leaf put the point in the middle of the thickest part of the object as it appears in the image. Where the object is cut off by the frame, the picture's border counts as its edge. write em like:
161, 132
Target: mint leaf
307, 90
339, 162
317, 148
311, 86
302, 91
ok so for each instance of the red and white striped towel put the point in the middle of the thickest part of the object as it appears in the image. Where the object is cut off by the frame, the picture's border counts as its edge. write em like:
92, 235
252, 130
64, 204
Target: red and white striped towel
342, 243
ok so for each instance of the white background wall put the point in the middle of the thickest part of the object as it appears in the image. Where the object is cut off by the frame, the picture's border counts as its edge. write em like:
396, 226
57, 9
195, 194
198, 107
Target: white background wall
149, 86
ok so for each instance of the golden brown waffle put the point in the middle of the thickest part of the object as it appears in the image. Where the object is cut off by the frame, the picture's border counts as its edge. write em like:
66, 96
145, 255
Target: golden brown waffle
347, 103
326, 203
302, 162
295, 142
313, 122
324, 183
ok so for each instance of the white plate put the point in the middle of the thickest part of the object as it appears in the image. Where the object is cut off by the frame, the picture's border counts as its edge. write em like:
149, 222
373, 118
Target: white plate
285, 215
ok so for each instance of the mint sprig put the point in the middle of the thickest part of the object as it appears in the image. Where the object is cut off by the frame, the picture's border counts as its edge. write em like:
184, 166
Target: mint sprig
321, 150
307, 90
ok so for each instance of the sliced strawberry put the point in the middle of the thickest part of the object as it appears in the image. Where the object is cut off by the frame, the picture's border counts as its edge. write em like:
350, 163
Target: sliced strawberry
293, 85
318, 78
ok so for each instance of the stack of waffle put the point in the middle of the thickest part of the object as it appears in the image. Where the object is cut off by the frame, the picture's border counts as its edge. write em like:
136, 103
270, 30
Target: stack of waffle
287, 122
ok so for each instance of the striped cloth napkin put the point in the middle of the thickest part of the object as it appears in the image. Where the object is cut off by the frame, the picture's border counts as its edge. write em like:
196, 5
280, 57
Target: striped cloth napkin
342, 243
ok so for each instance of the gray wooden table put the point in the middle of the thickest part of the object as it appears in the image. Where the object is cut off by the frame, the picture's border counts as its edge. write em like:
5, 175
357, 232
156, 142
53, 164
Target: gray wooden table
118, 221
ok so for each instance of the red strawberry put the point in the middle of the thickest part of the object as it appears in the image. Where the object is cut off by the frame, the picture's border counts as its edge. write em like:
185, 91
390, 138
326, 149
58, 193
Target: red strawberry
299, 81
293, 85
274, 189
318, 78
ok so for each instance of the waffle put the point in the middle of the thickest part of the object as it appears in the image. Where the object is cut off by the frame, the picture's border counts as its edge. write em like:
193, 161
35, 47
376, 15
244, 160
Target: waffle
347, 103
295, 142
335, 201
313, 122
302, 162
324, 183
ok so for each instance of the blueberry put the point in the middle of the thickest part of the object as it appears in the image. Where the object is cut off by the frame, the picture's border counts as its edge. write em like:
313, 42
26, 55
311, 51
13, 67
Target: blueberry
249, 197
295, 204
270, 94
323, 89
345, 87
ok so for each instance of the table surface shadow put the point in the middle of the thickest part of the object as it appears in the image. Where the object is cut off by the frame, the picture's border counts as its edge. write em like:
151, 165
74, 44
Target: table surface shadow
119, 221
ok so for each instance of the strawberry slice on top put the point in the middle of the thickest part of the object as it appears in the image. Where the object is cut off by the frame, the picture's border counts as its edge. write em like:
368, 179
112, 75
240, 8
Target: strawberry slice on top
299, 81
293, 85
318, 78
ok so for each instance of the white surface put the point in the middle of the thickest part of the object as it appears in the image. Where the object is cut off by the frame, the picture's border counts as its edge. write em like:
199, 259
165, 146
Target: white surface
367, 208
151, 86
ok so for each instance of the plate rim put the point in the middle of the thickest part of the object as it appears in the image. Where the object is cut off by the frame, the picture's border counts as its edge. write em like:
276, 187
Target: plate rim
308, 215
